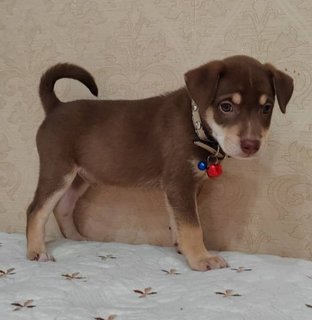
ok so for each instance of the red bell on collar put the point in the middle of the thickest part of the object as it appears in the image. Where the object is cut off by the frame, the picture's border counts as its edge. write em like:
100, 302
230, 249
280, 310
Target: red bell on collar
214, 170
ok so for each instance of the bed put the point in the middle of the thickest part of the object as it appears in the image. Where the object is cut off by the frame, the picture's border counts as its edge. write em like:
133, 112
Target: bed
92, 280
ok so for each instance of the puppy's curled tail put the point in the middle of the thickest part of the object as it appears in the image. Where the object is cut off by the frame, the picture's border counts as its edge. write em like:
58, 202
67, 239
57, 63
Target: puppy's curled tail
62, 70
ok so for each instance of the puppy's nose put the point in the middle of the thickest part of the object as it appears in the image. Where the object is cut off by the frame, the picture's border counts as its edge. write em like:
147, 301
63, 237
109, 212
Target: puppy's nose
250, 146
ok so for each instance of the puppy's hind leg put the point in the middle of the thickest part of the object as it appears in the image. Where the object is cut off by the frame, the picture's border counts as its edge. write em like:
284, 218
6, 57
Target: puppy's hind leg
53, 183
64, 210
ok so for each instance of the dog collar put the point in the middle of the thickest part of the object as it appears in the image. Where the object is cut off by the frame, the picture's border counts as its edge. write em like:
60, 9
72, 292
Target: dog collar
206, 141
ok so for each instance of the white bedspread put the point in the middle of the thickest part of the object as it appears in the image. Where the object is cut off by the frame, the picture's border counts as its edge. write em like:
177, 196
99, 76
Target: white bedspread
91, 280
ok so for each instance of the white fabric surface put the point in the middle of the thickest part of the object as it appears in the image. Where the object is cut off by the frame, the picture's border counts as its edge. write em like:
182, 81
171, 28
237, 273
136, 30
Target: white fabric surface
275, 288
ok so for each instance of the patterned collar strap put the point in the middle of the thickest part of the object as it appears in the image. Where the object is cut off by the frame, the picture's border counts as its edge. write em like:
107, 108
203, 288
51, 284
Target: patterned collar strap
208, 143
197, 122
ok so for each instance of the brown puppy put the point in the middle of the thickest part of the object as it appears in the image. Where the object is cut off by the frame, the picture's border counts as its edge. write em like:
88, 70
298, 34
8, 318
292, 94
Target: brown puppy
226, 106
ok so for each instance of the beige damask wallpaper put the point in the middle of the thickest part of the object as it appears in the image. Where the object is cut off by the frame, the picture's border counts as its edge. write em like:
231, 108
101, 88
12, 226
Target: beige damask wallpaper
139, 48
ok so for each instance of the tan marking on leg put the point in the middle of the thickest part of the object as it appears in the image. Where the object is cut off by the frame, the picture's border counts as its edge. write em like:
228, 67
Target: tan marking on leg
192, 246
183, 208
37, 220
237, 98
191, 240
263, 99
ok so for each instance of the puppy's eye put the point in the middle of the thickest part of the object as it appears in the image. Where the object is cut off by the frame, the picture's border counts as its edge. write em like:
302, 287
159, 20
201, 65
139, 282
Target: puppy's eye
266, 109
226, 106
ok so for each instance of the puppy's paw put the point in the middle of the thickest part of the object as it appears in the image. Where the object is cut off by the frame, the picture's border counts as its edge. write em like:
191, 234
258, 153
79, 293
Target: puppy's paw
216, 262
208, 263
41, 256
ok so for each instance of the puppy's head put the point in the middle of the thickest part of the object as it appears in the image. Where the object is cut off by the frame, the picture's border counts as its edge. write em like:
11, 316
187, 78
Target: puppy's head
235, 97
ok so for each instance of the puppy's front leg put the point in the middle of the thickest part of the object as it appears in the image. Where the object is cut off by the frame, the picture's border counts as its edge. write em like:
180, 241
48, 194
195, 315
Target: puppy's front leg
182, 204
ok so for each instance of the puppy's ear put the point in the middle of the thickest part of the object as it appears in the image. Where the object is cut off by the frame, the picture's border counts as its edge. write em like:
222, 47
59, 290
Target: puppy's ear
283, 86
202, 82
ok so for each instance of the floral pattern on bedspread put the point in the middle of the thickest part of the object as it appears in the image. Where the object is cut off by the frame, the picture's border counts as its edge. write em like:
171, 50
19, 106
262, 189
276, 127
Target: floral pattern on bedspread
107, 281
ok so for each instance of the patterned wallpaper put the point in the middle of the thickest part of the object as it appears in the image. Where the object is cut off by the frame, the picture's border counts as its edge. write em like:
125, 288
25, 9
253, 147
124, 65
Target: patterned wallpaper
140, 48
